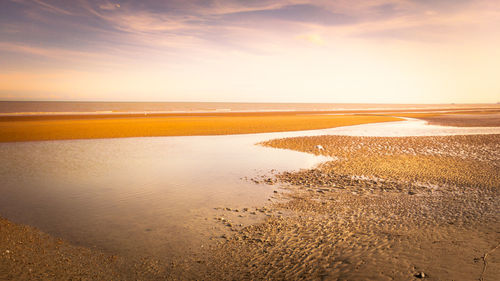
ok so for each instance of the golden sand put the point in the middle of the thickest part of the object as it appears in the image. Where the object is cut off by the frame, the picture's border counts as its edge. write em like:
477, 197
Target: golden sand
388, 209
11, 131
462, 160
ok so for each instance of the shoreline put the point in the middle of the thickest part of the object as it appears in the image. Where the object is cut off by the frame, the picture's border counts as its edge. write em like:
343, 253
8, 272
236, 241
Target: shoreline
367, 228
350, 219
27, 253
68, 127
400, 208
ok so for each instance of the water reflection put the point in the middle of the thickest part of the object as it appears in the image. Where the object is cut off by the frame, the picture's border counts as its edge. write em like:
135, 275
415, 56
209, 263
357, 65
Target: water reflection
148, 195
153, 196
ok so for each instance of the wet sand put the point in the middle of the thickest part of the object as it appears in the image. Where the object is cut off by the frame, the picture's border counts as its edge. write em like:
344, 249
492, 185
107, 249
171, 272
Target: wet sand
29, 254
465, 120
91, 125
386, 209
61, 128
431, 211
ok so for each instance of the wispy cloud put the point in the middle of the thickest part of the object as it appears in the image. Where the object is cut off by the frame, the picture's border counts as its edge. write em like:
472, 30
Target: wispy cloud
195, 27
58, 55
189, 22
109, 6
306, 13
217, 36
52, 8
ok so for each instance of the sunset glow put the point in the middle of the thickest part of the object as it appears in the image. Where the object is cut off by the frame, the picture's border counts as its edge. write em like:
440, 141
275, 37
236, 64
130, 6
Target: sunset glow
380, 51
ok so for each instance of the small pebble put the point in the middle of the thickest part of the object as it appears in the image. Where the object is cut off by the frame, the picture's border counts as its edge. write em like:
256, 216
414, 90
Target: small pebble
420, 275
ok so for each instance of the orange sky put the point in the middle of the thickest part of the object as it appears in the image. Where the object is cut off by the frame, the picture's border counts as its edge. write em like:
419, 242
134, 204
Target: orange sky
397, 51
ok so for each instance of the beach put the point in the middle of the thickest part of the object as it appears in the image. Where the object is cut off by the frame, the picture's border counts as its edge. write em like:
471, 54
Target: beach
37, 126
401, 207
249, 140
121, 127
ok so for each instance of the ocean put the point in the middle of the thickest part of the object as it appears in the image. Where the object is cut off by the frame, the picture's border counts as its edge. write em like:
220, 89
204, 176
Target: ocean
47, 107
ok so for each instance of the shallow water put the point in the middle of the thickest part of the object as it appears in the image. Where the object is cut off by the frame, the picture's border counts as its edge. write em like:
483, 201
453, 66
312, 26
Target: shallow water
154, 196
410, 127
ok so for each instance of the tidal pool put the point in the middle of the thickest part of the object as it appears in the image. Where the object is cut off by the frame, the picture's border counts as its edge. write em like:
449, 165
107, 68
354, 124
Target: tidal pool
155, 196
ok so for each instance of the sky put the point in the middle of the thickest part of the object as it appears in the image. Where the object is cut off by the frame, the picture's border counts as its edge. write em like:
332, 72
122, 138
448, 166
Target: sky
346, 51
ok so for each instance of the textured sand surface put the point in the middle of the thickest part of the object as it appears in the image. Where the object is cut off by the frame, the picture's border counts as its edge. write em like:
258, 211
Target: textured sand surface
28, 254
397, 208
465, 120
354, 219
